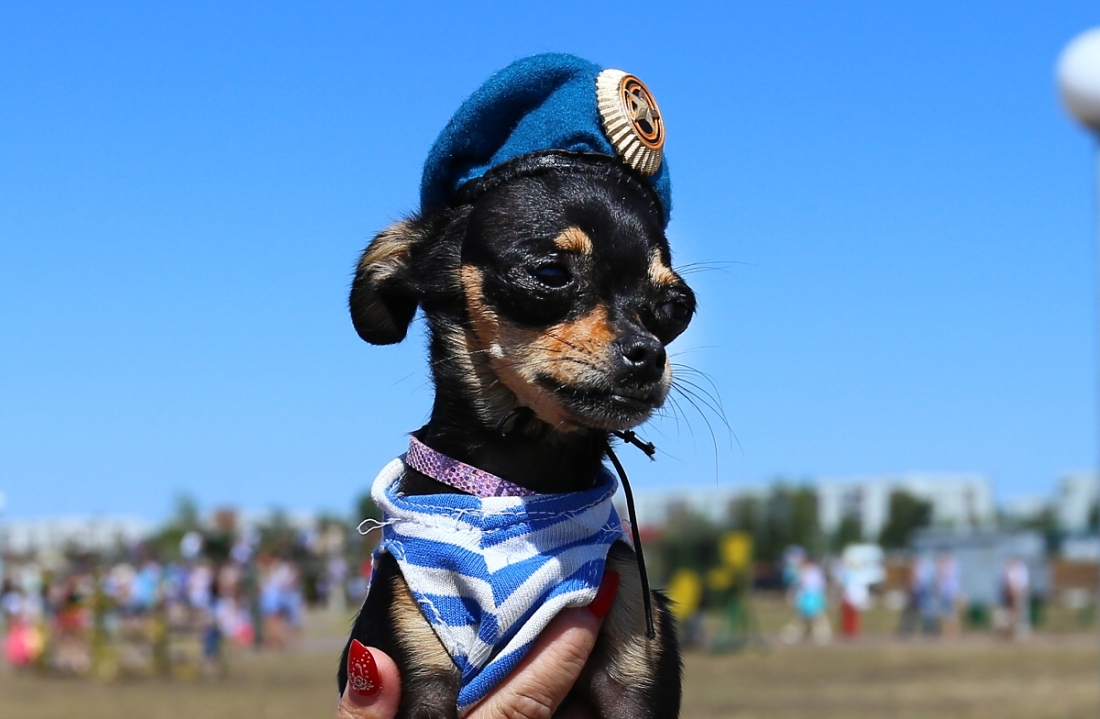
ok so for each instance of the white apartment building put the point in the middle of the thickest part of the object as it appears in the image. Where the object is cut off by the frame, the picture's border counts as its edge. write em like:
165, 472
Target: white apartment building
958, 499
656, 507
27, 536
1077, 496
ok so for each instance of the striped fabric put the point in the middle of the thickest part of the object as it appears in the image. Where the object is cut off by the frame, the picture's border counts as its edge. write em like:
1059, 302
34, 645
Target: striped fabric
489, 574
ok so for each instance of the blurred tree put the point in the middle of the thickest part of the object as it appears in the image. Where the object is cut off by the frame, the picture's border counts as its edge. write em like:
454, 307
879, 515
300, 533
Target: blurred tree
775, 531
217, 544
746, 515
186, 514
327, 521
907, 514
365, 508
277, 534
786, 516
1046, 522
850, 531
165, 542
805, 530
689, 542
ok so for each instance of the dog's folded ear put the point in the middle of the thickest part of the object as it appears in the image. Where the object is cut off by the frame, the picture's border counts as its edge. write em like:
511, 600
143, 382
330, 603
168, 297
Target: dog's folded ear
383, 296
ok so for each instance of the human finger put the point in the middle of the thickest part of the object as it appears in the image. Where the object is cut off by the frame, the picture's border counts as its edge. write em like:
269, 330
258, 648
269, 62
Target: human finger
546, 675
373, 690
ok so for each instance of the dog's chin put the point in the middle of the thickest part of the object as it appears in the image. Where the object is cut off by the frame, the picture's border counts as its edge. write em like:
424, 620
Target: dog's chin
609, 409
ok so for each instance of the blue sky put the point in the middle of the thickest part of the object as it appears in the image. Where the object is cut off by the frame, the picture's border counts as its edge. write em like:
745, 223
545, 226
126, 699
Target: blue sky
900, 211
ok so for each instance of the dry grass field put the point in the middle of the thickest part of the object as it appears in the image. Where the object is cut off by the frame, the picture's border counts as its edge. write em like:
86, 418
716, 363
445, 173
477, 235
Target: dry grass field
1052, 676
974, 679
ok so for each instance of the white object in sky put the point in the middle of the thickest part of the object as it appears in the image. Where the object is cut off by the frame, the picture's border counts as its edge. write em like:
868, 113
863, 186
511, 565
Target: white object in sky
1079, 78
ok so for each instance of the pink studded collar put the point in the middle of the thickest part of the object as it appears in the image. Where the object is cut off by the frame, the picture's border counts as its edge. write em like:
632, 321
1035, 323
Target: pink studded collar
458, 474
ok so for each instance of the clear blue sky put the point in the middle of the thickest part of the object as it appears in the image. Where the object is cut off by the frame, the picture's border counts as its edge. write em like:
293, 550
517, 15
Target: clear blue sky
905, 211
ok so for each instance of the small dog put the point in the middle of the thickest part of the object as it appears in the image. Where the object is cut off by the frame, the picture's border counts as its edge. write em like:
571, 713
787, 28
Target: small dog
549, 295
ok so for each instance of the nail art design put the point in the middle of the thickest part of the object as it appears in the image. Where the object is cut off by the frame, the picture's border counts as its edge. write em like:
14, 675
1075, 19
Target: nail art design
363, 678
606, 594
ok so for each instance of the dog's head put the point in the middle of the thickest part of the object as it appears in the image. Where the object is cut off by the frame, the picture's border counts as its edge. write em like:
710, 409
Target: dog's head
551, 289
539, 257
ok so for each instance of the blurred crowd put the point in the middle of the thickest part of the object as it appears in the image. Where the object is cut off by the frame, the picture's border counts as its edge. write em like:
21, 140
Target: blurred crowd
72, 616
186, 596
932, 605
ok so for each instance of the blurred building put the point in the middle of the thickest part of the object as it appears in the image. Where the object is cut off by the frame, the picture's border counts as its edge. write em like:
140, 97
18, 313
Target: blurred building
298, 519
1081, 548
657, 508
1078, 500
982, 556
49, 534
959, 500
1023, 509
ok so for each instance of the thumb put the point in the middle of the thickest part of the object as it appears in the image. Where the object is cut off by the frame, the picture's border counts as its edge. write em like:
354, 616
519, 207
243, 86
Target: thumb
546, 675
374, 685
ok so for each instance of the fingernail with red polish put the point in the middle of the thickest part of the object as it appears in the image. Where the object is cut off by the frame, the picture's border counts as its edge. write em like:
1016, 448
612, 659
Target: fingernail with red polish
606, 595
363, 678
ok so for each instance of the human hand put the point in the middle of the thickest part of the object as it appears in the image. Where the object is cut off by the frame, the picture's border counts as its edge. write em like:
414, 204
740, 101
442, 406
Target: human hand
533, 691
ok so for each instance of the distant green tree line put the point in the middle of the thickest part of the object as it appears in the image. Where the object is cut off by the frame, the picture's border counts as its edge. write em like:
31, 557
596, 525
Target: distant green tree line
784, 516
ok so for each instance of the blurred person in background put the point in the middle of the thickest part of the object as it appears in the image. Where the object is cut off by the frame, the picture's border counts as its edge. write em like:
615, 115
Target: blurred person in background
947, 595
118, 583
280, 600
21, 643
244, 554
1016, 593
357, 587
200, 587
854, 595
231, 606
293, 595
811, 605
336, 578
68, 599
793, 557
271, 619
146, 586
211, 627
920, 607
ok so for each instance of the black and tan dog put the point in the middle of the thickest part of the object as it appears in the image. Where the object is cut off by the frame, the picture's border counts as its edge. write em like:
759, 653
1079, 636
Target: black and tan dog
549, 296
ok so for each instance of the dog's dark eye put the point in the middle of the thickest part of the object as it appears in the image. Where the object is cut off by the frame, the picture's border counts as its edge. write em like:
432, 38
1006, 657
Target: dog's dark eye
668, 318
551, 275
675, 310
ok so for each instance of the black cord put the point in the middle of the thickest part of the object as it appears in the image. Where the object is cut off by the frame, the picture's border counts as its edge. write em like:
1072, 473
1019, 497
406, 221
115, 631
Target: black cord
649, 632
626, 435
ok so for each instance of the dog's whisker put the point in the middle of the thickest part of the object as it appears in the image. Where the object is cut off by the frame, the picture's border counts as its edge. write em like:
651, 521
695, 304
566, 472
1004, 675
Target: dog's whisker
710, 428
579, 348
693, 372
722, 266
673, 411
701, 393
691, 391
689, 350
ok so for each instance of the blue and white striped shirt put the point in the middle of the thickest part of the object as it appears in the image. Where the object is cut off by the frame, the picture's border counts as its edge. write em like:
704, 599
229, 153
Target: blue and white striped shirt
490, 573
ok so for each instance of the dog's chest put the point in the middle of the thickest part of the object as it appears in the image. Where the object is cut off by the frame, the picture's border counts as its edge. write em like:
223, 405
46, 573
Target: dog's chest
489, 574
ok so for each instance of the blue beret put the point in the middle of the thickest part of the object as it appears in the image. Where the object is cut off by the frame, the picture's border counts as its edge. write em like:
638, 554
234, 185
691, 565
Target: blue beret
548, 102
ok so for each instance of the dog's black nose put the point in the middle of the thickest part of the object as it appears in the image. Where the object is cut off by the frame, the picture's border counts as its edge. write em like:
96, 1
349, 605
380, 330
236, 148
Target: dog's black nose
643, 357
